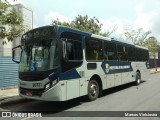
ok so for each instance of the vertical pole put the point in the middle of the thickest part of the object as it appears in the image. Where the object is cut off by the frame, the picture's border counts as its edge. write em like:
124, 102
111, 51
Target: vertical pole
155, 62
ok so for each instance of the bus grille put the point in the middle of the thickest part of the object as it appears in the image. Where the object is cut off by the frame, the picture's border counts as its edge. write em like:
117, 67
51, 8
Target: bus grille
35, 92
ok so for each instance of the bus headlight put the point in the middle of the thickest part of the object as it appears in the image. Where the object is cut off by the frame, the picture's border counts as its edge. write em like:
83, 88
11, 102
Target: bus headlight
51, 84
47, 86
54, 82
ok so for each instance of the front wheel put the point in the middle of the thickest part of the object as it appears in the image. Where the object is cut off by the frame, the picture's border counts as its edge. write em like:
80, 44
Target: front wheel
93, 90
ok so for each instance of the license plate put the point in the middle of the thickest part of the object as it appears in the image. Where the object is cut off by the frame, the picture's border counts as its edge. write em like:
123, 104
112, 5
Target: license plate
28, 93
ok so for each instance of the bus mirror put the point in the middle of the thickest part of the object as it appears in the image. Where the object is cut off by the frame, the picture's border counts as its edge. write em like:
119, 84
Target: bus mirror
15, 54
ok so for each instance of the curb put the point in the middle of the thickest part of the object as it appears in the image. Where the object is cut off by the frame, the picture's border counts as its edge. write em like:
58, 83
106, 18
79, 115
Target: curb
155, 72
13, 100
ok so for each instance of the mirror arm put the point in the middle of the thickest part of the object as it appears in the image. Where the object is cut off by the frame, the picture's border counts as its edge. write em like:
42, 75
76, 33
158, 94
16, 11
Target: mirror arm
13, 56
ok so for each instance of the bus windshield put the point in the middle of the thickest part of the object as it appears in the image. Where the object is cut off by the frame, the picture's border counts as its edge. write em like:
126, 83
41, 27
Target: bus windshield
39, 56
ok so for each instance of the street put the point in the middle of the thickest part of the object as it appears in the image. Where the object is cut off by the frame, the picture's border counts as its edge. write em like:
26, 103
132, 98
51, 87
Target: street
145, 97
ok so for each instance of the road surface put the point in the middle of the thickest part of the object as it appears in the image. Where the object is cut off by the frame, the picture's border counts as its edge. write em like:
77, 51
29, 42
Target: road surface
145, 97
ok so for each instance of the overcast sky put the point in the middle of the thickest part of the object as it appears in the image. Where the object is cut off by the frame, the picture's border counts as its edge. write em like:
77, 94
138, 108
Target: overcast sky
135, 13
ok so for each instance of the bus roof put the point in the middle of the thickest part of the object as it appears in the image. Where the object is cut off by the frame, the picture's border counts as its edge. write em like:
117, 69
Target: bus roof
89, 34
73, 30
121, 42
100, 37
141, 47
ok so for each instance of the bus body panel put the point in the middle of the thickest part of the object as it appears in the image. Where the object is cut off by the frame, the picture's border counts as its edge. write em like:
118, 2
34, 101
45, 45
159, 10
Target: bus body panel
110, 81
127, 77
117, 79
142, 67
72, 88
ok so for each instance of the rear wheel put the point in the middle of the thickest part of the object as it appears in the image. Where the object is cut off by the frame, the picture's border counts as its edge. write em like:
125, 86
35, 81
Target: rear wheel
93, 90
138, 78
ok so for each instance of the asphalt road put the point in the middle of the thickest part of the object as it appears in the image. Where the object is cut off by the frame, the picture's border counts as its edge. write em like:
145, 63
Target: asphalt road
145, 97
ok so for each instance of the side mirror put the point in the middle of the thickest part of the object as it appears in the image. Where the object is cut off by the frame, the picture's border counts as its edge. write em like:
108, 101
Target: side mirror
15, 51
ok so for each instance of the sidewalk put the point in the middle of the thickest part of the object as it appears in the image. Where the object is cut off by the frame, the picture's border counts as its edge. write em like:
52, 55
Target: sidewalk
8, 92
10, 96
154, 71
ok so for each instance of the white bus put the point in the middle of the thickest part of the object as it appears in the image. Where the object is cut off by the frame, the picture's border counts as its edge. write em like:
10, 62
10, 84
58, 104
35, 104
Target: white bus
58, 63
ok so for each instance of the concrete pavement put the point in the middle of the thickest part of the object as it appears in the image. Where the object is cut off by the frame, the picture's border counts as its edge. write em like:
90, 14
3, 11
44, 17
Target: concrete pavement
8, 92
10, 96
154, 70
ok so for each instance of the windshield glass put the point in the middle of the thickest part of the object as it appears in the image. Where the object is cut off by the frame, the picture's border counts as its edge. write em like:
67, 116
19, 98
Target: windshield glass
39, 56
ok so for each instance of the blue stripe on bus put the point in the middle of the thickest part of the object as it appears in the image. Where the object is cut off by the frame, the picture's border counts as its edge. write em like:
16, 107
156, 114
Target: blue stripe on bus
71, 74
111, 67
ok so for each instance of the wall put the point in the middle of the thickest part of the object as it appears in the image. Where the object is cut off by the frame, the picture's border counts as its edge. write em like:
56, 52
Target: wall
152, 63
8, 72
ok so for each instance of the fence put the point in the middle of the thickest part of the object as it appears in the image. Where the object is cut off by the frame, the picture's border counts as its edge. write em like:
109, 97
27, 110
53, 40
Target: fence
152, 63
8, 72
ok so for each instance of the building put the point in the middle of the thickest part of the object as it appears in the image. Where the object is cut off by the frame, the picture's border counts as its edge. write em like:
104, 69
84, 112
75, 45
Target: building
27, 15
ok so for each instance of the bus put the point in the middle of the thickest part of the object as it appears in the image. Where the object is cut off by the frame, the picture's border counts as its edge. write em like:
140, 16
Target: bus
58, 63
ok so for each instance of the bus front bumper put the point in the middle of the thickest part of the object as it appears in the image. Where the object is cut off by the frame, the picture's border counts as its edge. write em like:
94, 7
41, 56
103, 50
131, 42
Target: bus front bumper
52, 94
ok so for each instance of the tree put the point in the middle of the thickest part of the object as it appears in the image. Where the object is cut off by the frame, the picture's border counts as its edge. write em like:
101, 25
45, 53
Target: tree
109, 32
57, 22
85, 23
151, 43
138, 37
158, 49
11, 22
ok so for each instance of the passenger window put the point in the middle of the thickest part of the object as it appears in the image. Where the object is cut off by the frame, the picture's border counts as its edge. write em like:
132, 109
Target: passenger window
131, 53
94, 49
109, 51
121, 53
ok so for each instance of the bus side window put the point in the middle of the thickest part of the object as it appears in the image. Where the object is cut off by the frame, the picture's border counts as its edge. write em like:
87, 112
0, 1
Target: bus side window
131, 53
70, 54
122, 53
138, 54
72, 51
105, 51
93, 49
109, 51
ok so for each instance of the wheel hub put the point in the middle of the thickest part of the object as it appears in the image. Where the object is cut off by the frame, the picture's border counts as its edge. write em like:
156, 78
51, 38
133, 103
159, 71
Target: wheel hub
93, 90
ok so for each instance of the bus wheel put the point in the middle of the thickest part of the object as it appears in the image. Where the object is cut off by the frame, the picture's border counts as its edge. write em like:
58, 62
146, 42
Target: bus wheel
93, 90
138, 78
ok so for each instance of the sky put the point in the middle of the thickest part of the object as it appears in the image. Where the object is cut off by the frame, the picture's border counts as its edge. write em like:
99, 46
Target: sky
120, 13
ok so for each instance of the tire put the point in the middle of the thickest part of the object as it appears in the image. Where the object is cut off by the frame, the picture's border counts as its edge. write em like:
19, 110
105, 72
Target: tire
93, 90
138, 78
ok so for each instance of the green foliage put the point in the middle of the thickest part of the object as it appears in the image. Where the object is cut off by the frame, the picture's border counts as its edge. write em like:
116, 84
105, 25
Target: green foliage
151, 43
4, 6
12, 22
57, 22
84, 23
158, 48
138, 37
